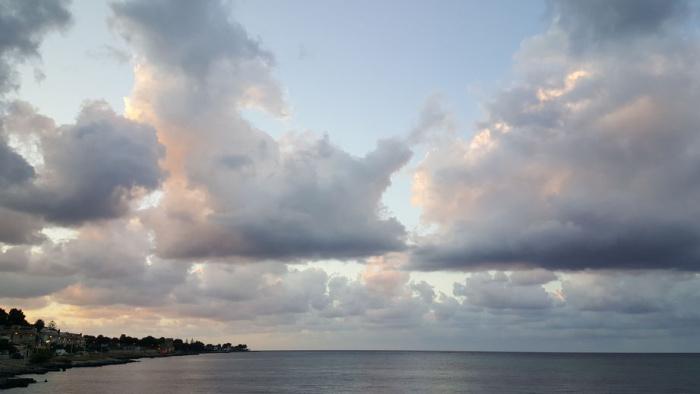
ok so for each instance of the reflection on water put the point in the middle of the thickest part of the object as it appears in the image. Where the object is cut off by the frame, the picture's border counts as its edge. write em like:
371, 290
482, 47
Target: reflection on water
384, 372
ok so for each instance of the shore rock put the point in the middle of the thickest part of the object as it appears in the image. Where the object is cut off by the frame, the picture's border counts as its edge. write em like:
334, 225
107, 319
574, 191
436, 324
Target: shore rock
9, 383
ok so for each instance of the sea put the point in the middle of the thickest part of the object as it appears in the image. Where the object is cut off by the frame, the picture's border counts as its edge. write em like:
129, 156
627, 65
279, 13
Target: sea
384, 372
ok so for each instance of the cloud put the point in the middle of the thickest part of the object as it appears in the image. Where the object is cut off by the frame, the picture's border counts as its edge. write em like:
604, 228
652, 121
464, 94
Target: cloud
580, 181
235, 191
109, 53
206, 53
206, 34
294, 213
23, 24
22, 285
14, 259
107, 264
13, 168
634, 293
109, 268
434, 122
501, 291
532, 277
586, 162
19, 228
592, 24
91, 170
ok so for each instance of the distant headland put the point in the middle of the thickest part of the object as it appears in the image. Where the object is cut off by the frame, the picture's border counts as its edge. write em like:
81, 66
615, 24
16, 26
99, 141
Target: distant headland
27, 348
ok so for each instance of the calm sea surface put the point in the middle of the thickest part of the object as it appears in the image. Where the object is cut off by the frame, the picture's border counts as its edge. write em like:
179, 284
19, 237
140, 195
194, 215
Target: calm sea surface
385, 372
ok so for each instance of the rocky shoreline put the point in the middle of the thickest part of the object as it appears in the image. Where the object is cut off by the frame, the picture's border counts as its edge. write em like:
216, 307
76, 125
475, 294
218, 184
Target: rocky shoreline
10, 369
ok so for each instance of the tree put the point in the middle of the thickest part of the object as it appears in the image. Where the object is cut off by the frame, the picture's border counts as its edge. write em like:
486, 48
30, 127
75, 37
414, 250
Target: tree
52, 325
90, 342
3, 317
103, 343
197, 346
16, 318
41, 356
148, 342
5, 344
39, 324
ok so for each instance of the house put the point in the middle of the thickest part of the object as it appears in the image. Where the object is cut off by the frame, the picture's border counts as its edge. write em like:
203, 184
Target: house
71, 341
5, 333
48, 337
167, 346
23, 338
4, 343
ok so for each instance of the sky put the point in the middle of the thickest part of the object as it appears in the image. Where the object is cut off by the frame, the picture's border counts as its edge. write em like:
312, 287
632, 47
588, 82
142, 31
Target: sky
460, 175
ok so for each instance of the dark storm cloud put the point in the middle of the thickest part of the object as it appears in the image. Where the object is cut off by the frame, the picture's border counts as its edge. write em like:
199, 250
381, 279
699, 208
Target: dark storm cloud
591, 164
23, 24
593, 23
92, 168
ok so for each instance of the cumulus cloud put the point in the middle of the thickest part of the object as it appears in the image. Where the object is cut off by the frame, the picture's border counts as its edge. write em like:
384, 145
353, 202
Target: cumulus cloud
592, 24
205, 54
245, 193
632, 293
106, 264
13, 259
317, 201
434, 122
23, 24
500, 291
13, 168
205, 35
68, 174
586, 162
19, 228
25, 285
91, 169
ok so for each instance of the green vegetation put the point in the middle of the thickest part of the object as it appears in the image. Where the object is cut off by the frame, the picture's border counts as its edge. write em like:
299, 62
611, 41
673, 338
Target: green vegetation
41, 356
7, 346
14, 318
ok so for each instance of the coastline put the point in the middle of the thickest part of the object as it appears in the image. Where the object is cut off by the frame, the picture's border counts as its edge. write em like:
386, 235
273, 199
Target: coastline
11, 369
